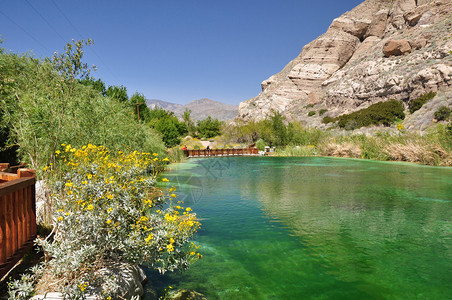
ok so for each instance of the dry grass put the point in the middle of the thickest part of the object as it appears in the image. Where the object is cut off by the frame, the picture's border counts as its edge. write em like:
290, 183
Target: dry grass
346, 149
419, 153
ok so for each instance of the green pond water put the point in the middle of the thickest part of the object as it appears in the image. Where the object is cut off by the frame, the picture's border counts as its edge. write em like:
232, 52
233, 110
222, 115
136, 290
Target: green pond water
316, 228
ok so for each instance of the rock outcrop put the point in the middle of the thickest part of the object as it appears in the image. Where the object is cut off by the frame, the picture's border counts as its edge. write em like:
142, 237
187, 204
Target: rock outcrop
378, 51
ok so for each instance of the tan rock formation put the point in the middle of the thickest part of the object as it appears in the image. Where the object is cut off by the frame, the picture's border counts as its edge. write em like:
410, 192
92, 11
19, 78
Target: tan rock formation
396, 47
345, 69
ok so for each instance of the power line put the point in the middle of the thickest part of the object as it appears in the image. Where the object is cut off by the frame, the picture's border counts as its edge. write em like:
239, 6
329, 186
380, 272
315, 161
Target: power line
80, 36
26, 32
69, 21
47, 22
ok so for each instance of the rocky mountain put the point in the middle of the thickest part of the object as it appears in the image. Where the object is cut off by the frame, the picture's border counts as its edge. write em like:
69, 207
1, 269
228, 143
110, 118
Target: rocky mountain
200, 109
380, 50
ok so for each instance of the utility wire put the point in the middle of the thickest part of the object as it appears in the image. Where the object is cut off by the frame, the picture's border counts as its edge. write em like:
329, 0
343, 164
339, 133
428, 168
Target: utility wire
80, 36
26, 32
47, 22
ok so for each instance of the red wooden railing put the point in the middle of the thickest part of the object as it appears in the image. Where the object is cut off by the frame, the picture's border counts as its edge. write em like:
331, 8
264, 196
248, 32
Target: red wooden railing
220, 152
17, 216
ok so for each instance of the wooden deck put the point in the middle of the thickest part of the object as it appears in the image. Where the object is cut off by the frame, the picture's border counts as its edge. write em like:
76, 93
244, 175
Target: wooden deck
17, 216
221, 152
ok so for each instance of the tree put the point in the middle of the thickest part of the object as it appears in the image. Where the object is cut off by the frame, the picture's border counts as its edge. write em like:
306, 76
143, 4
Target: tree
209, 127
279, 129
118, 93
69, 64
170, 133
141, 110
189, 124
97, 85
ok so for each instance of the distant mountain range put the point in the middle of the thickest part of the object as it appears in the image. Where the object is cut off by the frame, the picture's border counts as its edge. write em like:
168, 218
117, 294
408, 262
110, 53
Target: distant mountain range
200, 109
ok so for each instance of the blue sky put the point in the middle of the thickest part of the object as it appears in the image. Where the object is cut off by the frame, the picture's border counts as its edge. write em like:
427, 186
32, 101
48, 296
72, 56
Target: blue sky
176, 51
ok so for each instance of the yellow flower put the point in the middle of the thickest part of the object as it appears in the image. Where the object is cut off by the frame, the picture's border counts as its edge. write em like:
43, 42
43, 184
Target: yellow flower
169, 248
67, 214
192, 253
60, 219
150, 237
109, 221
173, 195
165, 180
45, 168
155, 154
90, 207
110, 196
143, 219
69, 184
84, 182
156, 159
165, 159
171, 240
109, 209
89, 176
69, 192
188, 209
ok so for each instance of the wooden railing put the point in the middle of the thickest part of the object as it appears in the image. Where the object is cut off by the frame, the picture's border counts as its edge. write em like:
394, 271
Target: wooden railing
17, 216
221, 152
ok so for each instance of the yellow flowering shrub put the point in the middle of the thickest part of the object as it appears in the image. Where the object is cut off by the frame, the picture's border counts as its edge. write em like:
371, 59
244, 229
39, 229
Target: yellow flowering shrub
111, 206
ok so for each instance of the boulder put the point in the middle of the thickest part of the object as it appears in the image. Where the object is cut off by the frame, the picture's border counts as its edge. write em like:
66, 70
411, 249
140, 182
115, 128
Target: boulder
396, 48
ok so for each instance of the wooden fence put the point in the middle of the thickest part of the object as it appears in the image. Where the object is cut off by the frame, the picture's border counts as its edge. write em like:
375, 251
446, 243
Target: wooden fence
220, 152
17, 216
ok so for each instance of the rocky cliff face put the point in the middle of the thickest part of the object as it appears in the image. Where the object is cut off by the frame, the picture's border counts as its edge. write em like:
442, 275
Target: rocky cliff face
380, 50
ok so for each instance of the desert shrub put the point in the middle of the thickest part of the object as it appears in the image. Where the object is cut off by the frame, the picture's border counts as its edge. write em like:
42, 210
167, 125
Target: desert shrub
299, 135
110, 209
442, 113
311, 113
322, 111
328, 119
384, 113
417, 103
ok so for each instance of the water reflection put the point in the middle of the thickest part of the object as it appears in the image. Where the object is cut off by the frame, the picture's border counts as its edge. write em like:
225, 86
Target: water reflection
320, 228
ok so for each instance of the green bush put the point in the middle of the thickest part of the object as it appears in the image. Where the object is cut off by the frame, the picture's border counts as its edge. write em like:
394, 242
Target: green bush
322, 111
384, 113
260, 144
328, 119
109, 209
311, 113
417, 103
442, 113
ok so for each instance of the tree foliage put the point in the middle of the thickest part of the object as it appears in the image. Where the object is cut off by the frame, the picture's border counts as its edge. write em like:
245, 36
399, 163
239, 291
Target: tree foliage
42, 106
139, 107
118, 93
97, 85
209, 127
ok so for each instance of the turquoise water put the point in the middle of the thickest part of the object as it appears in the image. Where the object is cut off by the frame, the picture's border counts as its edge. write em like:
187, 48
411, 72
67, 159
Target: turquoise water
317, 228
